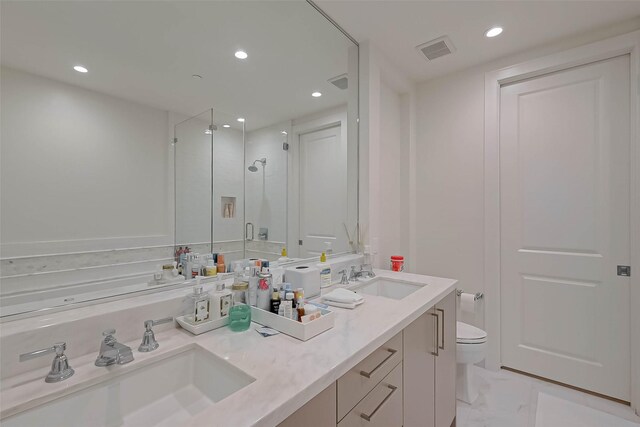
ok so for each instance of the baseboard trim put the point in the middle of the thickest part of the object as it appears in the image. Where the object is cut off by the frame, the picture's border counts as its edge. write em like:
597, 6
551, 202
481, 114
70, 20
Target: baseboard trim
593, 393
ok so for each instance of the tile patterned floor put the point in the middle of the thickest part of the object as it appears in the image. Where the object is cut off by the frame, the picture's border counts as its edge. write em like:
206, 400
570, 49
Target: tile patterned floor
508, 399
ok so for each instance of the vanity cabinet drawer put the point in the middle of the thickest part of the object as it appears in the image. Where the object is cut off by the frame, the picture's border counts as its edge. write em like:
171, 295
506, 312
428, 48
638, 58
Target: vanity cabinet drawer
382, 407
355, 384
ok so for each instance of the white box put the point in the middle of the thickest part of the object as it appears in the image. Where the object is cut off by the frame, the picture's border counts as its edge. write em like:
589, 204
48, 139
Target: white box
293, 328
305, 277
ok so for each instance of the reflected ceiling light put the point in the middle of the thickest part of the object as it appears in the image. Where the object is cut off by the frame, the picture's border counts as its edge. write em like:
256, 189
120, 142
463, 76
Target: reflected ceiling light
80, 69
208, 131
316, 94
241, 119
284, 132
241, 54
494, 31
226, 125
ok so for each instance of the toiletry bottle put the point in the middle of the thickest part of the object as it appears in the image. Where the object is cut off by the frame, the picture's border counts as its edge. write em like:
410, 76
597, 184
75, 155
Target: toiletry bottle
220, 301
264, 290
211, 269
275, 301
222, 268
195, 270
283, 256
200, 305
325, 271
300, 308
250, 276
289, 299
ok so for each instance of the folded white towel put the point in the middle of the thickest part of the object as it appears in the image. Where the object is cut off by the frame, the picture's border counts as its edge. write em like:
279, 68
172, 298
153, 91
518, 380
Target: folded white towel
351, 305
344, 296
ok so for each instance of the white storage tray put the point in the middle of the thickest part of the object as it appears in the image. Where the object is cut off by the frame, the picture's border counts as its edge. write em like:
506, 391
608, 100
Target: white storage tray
203, 327
301, 331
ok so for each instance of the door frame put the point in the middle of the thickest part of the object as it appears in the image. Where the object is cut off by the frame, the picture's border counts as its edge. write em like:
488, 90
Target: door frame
606, 49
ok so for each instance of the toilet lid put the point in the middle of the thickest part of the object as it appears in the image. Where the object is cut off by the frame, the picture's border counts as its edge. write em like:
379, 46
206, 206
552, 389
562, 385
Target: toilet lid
467, 334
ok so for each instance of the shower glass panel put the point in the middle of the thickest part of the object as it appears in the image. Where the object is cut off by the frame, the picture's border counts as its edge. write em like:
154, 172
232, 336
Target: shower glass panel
265, 172
193, 139
228, 187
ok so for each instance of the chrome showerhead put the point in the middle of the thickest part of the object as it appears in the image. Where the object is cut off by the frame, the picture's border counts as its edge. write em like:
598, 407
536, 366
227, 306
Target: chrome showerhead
254, 168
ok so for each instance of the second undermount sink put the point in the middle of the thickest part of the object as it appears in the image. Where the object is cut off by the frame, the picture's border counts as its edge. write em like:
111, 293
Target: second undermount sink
395, 289
166, 393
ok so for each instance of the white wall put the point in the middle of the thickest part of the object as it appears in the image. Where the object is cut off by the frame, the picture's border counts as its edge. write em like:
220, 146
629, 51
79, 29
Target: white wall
450, 172
78, 165
386, 164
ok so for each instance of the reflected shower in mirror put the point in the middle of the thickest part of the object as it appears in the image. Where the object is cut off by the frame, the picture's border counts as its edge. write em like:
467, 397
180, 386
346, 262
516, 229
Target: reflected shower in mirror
168, 139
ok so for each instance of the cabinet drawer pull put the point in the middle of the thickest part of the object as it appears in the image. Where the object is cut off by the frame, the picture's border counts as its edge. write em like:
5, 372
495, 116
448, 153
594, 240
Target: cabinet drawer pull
370, 416
368, 374
442, 311
436, 335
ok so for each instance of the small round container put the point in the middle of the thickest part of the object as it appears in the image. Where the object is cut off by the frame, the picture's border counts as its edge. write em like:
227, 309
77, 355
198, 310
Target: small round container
239, 317
397, 263
240, 292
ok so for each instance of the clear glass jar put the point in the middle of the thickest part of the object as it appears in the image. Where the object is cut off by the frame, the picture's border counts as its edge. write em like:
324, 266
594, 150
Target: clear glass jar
240, 291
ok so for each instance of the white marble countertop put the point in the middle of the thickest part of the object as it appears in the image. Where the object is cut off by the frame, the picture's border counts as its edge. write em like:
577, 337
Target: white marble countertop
288, 372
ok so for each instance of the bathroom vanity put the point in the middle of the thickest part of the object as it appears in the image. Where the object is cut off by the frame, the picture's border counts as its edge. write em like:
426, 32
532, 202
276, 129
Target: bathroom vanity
388, 362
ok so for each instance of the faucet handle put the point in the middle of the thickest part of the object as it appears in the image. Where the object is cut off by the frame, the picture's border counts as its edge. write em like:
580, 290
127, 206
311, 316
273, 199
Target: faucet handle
149, 342
148, 324
60, 369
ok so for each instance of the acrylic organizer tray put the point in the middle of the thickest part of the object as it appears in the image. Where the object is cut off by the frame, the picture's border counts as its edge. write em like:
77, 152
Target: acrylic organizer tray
203, 327
293, 328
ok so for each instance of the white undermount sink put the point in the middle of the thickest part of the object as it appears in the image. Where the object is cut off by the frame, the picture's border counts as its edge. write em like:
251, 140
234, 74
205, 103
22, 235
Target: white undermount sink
165, 393
388, 288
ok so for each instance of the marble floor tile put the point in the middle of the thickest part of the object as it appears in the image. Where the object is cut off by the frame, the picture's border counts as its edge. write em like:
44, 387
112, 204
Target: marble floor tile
508, 399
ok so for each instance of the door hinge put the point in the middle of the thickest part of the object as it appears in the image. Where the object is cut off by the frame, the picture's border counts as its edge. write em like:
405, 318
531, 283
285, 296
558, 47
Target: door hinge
299, 242
175, 140
285, 146
624, 270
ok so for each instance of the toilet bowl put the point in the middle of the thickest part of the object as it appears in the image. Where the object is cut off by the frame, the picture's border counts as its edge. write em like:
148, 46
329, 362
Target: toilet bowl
471, 348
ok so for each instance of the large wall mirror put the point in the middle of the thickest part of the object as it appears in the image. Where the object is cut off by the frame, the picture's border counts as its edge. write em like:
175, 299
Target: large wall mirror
130, 130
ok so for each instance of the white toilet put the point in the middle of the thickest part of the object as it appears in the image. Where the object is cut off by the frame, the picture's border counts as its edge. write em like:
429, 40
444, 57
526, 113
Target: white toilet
471, 348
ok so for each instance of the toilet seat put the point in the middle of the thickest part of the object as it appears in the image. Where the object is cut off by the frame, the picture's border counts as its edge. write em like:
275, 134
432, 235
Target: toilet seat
468, 334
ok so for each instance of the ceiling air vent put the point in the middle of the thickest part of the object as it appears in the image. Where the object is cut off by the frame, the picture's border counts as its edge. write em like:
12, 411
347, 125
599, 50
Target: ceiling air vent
436, 48
341, 81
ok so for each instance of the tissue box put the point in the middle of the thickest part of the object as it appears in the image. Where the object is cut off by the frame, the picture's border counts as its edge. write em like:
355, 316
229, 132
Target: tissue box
305, 277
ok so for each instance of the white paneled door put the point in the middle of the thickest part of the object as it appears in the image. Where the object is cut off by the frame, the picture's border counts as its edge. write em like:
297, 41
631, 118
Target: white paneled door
323, 191
564, 196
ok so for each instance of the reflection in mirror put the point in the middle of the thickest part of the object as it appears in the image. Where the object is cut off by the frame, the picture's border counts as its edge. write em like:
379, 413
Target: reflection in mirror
143, 153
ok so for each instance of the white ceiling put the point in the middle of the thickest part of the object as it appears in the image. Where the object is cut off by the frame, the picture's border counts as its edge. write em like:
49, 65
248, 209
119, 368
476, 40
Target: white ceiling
397, 27
147, 51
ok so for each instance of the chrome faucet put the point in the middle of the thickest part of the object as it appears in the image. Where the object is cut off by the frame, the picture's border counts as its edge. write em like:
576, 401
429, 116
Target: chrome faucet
112, 352
149, 342
363, 272
344, 280
60, 369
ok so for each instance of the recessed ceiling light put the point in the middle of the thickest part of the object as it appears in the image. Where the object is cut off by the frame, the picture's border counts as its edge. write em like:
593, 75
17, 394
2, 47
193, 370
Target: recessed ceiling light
196, 76
241, 119
316, 94
208, 131
241, 54
80, 69
284, 132
226, 125
494, 31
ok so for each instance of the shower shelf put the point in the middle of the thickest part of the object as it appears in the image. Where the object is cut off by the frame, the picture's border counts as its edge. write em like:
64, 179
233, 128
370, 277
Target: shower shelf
228, 207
